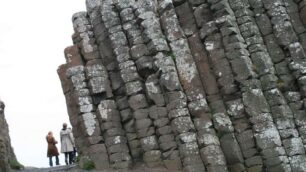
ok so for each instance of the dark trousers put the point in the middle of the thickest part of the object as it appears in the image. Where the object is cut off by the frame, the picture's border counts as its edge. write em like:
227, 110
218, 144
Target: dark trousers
51, 162
68, 155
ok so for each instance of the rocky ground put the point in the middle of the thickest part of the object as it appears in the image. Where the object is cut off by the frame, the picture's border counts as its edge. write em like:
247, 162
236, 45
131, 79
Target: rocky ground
75, 168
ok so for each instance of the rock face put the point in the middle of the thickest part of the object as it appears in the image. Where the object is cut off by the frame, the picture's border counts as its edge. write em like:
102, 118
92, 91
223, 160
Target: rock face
192, 85
6, 150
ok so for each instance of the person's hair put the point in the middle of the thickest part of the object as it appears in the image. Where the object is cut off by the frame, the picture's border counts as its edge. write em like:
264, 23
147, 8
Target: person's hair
50, 134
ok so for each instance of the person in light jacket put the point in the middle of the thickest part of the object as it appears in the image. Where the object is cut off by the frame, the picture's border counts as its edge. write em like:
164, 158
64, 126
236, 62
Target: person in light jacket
67, 144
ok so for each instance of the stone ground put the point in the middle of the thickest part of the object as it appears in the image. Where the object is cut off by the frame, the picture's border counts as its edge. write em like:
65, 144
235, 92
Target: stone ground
75, 168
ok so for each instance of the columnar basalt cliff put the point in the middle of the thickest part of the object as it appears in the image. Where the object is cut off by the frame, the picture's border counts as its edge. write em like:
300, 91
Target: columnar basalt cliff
6, 151
191, 85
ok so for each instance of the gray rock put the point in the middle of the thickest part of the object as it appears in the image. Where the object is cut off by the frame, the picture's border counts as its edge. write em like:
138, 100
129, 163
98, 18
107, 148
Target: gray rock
268, 138
269, 81
262, 63
141, 114
198, 107
119, 157
222, 123
127, 15
296, 51
235, 108
285, 33
164, 130
186, 19
275, 97
139, 50
146, 132
194, 168
118, 148
143, 123
173, 30
129, 74
138, 101
242, 68
255, 102
170, 81
149, 143
202, 13
203, 123
294, 146
182, 125
175, 113
297, 163
134, 87
231, 149
208, 139
253, 161
276, 53
249, 153
281, 111
156, 112
222, 168
246, 139
264, 24
213, 156
273, 152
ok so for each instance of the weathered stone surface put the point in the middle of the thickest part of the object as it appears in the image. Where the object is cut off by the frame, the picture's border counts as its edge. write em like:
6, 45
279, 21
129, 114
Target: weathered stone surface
7, 153
268, 138
255, 102
231, 149
197, 85
138, 101
186, 19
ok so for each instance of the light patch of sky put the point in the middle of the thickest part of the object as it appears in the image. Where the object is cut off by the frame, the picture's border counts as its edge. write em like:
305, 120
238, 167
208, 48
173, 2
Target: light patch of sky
33, 35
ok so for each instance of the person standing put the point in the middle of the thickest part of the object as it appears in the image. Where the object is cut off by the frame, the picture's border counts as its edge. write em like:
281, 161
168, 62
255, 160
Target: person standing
52, 149
67, 144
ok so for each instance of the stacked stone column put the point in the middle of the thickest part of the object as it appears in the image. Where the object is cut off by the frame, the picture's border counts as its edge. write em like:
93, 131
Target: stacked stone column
86, 128
198, 107
109, 60
296, 12
274, 96
233, 112
286, 81
181, 122
166, 82
114, 135
100, 88
158, 111
132, 80
237, 53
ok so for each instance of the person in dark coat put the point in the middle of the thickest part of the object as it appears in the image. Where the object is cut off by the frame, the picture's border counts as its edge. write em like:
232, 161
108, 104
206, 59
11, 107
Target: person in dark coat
52, 149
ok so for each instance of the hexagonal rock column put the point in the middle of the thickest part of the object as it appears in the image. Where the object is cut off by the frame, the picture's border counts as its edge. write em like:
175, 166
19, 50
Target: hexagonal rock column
114, 135
133, 84
86, 128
